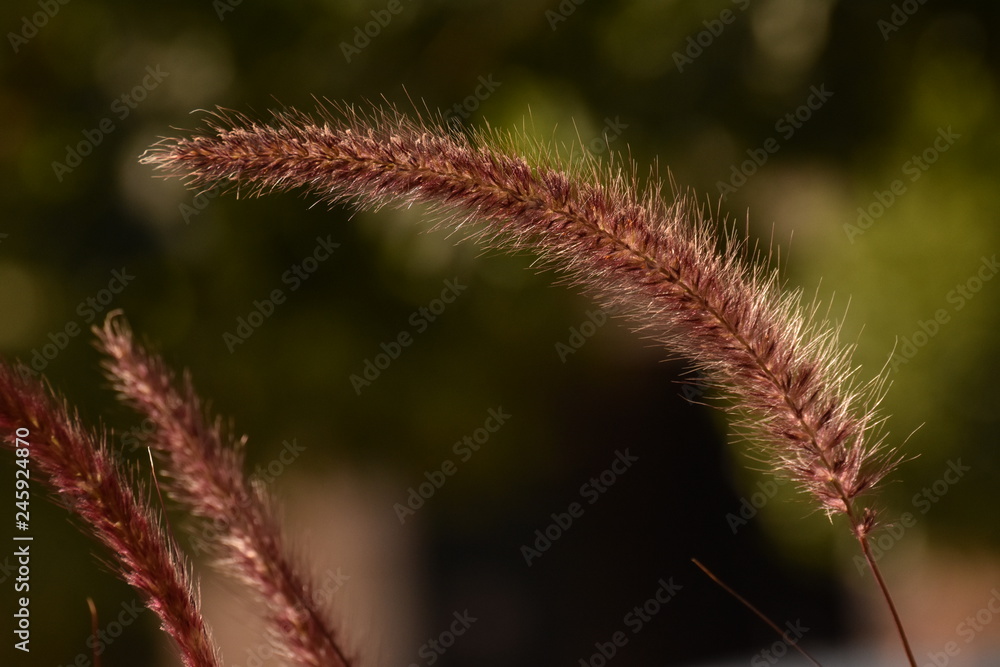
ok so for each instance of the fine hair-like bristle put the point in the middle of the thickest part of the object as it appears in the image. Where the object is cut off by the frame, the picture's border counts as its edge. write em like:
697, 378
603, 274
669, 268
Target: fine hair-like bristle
203, 470
658, 263
87, 478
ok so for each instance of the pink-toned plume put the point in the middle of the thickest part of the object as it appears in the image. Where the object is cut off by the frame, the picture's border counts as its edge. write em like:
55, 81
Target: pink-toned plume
86, 477
787, 377
203, 470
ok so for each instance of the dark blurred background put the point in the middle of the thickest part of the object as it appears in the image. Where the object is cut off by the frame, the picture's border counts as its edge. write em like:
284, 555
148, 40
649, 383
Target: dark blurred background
862, 138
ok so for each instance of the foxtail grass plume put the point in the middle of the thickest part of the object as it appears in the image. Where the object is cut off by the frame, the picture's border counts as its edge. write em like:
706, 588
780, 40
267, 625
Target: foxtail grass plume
662, 265
88, 480
658, 263
203, 470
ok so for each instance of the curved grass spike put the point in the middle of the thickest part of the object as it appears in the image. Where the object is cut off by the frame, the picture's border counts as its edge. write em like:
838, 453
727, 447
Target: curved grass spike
661, 263
203, 466
88, 479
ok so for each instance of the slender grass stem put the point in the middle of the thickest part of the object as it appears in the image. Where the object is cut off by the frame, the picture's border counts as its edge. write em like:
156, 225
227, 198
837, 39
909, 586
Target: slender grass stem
761, 615
866, 549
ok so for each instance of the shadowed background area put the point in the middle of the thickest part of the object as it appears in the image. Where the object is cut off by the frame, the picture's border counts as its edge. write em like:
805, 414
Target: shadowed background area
860, 136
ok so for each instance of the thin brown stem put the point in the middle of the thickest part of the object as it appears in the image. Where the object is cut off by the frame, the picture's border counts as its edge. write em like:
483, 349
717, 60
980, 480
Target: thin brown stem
93, 629
761, 615
866, 548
